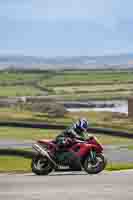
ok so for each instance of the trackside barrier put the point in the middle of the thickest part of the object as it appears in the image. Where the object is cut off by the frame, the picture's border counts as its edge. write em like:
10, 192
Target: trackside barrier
105, 131
32, 125
17, 152
111, 132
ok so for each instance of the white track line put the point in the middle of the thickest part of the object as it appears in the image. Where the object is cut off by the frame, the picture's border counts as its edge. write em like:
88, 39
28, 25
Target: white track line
65, 173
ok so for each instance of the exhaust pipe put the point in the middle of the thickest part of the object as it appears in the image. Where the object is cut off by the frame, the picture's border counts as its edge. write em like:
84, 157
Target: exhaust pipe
39, 149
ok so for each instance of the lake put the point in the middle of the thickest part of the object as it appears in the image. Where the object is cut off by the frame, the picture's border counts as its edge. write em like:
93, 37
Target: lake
118, 106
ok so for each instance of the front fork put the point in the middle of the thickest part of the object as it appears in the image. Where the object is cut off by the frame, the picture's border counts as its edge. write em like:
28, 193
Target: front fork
93, 156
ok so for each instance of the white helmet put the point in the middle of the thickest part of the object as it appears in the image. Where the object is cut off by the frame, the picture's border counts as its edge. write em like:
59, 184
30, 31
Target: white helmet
81, 124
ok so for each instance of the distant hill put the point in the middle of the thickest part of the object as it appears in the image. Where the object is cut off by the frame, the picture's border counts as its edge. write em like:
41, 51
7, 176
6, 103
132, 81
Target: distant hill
121, 60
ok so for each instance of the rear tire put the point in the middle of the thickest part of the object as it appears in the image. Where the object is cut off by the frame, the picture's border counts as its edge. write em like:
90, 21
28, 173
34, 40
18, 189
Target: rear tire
41, 165
96, 168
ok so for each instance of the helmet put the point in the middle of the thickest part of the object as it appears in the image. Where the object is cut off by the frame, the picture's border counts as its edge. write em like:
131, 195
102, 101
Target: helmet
81, 124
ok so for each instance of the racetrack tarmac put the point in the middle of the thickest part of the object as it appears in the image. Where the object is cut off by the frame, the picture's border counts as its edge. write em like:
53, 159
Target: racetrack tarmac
68, 186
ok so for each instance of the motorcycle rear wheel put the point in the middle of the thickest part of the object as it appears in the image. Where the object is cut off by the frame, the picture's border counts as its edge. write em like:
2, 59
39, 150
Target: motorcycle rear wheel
41, 165
97, 167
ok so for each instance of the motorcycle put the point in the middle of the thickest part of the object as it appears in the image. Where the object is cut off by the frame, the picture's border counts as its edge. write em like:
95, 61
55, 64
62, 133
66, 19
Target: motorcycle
79, 155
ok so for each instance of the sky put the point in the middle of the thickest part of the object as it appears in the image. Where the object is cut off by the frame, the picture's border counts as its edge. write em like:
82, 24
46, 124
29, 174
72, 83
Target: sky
52, 28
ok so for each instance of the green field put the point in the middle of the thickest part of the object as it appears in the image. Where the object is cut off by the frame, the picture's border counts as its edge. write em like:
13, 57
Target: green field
68, 85
66, 78
91, 85
11, 77
12, 91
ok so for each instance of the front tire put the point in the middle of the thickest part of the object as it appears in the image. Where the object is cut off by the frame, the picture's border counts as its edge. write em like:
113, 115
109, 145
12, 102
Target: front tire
97, 167
41, 165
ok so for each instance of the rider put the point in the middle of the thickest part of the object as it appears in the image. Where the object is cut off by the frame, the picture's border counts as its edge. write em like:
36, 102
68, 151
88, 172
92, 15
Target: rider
77, 131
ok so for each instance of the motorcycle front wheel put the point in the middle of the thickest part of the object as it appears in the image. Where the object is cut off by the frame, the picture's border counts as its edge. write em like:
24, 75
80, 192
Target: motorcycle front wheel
96, 166
41, 165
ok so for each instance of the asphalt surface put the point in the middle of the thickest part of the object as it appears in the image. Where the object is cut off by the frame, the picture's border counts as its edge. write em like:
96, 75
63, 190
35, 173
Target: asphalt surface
114, 153
68, 186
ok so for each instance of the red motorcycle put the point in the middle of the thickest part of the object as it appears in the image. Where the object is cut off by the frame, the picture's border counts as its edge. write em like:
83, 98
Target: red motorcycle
78, 155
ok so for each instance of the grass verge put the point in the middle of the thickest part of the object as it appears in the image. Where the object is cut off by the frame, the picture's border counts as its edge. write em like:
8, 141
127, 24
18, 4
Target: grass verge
130, 147
14, 164
12, 133
119, 166
26, 133
20, 165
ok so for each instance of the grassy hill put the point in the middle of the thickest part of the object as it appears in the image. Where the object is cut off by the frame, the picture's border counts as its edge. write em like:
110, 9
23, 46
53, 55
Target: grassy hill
67, 85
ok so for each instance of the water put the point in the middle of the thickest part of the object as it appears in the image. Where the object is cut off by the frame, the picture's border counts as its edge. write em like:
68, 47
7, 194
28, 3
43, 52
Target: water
120, 106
